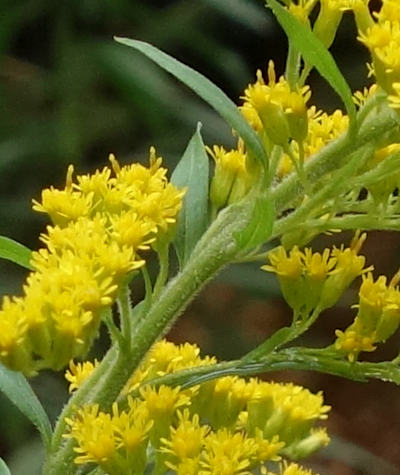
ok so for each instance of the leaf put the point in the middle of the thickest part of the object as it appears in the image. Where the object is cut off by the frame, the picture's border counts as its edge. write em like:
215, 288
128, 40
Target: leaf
15, 386
315, 53
192, 172
4, 470
15, 252
260, 226
206, 90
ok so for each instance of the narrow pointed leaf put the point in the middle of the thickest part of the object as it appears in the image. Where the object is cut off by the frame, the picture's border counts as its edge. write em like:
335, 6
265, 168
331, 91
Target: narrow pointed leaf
315, 53
259, 228
192, 173
206, 90
4, 470
15, 252
15, 386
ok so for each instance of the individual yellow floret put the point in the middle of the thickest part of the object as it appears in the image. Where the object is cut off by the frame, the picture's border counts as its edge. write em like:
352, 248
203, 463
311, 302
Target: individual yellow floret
132, 428
232, 178
351, 342
228, 453
162, 404
78, 373
185, 441
282, 111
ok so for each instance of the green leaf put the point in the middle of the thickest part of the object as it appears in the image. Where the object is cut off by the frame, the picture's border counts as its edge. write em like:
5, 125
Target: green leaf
192, 172
15, 252
206, 90
260, 225
15, 386
315, 53
4, 470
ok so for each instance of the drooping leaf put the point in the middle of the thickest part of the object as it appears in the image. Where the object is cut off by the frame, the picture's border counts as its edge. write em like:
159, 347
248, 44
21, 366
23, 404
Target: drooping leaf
315, 53
260, 225
206, 90
4, 470
15, 252
192, 172
15, 386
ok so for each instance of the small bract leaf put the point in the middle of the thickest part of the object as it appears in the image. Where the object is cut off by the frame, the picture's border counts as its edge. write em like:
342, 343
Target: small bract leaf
15, 252
192, 172
315, 53
15, 386
207, 90
260, 225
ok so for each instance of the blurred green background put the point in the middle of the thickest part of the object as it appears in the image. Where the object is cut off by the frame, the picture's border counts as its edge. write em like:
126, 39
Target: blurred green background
69, 94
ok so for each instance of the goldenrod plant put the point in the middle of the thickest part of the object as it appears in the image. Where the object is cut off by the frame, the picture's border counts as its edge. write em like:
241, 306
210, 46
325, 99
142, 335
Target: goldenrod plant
153, 407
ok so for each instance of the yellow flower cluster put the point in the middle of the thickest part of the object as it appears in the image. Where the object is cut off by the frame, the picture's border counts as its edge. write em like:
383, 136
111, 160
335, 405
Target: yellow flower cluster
322, 129
228, 426
382, 38
232, 176
100, 224
377, 319
276, 110
312, 281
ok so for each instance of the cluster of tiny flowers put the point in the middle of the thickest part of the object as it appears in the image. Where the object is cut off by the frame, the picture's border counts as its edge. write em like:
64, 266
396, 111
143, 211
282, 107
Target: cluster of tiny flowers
381, 35
274, 110
315, 281
100, 224
232, 175
322, 129
378, 317
280, 117
224, 427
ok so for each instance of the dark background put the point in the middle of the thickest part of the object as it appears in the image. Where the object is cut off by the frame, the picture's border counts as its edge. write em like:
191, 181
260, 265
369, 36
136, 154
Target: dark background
69, 94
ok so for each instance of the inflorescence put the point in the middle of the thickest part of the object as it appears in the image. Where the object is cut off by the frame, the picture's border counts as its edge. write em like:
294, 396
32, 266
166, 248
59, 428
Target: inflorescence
223, 427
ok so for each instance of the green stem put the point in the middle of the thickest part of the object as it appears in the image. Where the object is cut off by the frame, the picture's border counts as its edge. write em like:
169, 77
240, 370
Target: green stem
309, 359
110, 374
115, 334
125, 314
384, 125
148, 297
163, 258
292, 66
332, 188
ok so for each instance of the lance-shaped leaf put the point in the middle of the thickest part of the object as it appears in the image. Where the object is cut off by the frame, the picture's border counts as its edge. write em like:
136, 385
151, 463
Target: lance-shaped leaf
315, 53
192, 173
15, 386
15, 252
4, 470
260, 225
206, 90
